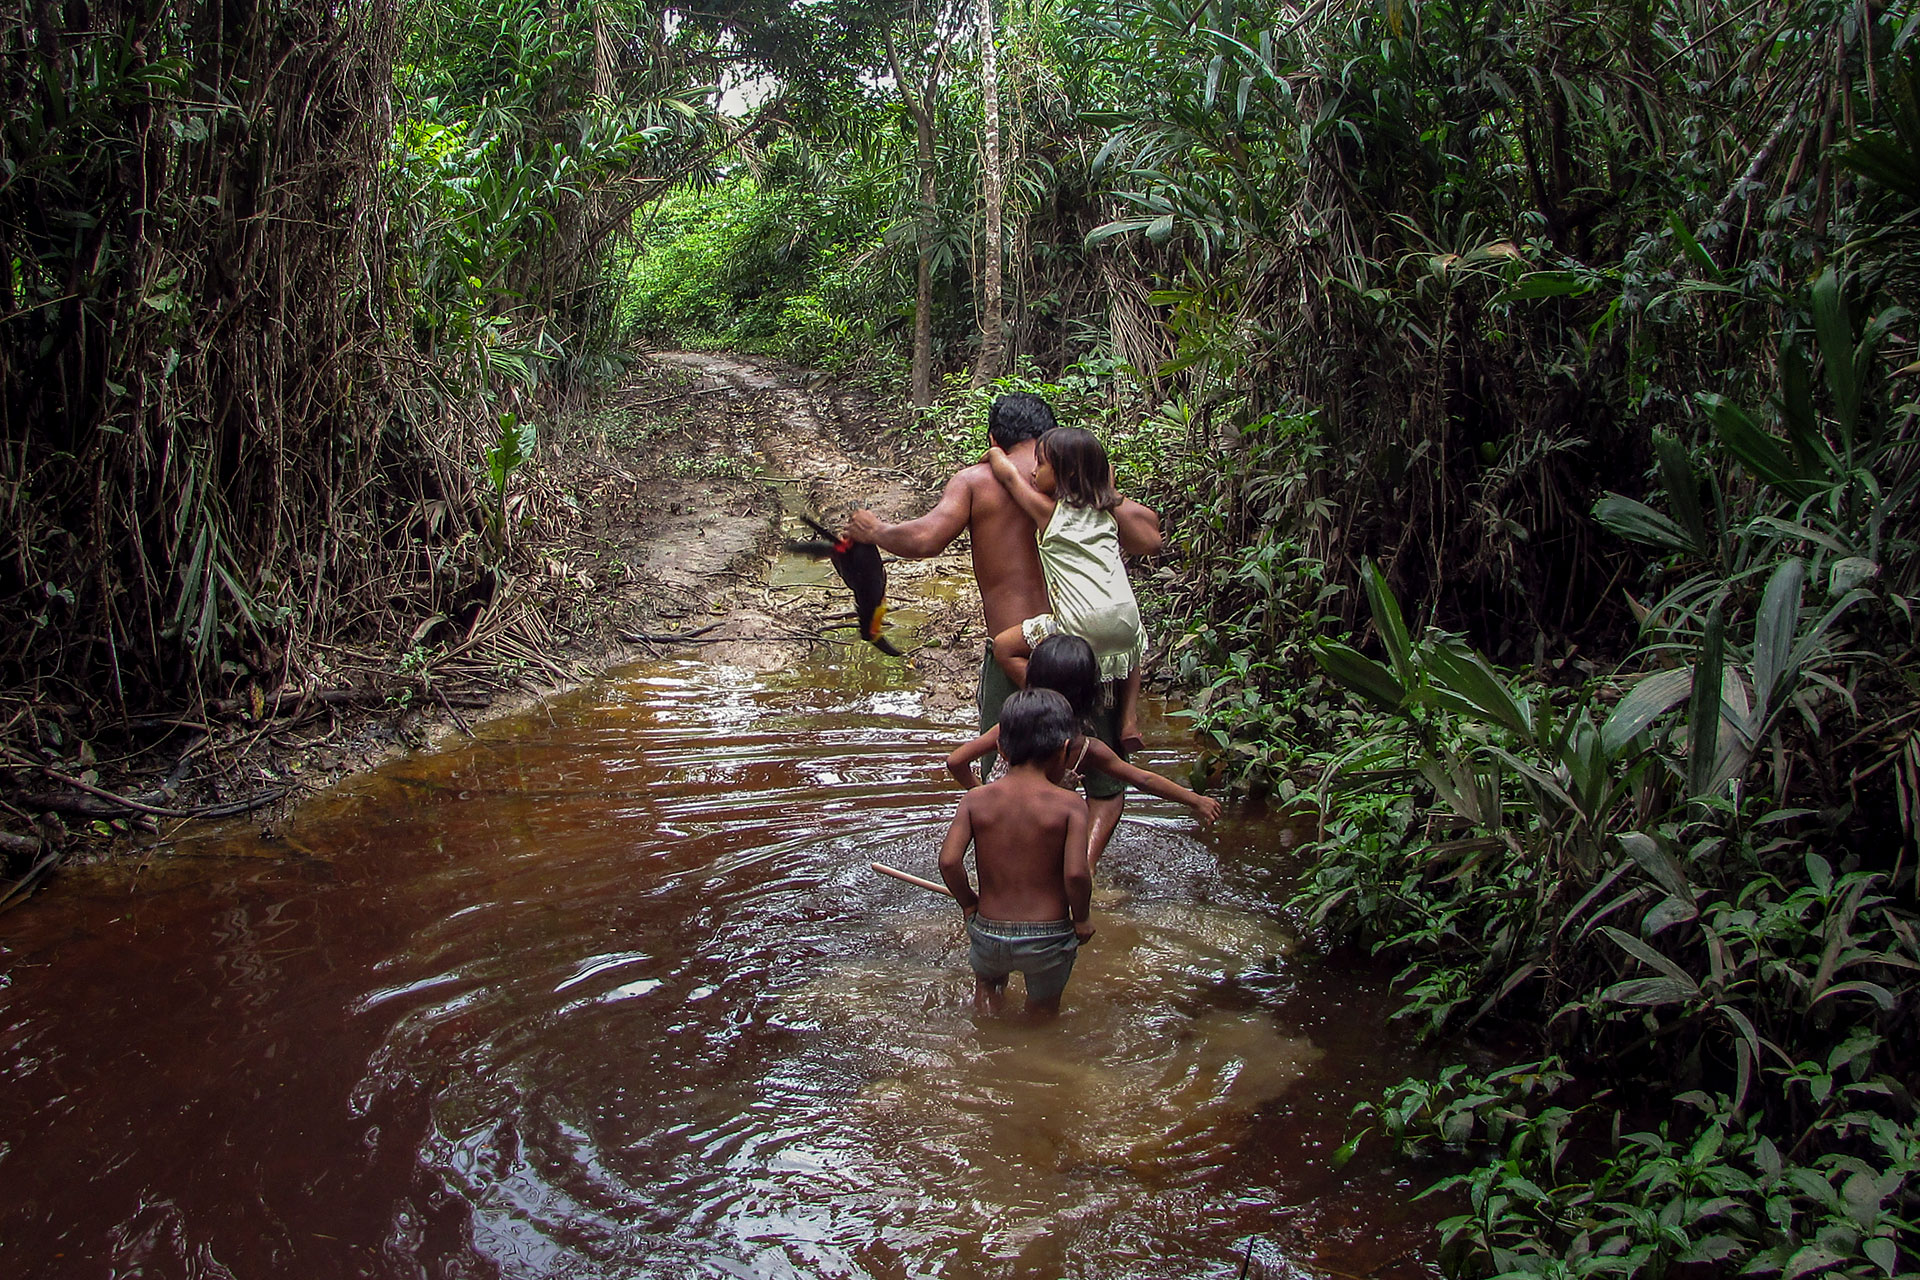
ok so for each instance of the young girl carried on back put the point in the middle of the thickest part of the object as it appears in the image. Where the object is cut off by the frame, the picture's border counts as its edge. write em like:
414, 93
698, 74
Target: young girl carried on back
1066, 665
1071, 502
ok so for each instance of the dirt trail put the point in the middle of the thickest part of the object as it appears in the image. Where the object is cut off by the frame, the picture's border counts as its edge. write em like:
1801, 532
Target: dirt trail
820, 453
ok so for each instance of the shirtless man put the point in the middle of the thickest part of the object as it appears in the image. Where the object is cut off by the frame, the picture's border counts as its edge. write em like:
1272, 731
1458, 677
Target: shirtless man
1006, 565
1029, 841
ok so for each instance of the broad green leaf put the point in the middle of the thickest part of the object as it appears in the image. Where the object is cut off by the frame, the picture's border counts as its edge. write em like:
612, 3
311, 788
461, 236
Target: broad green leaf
1863, 1196
1666, 913
1849, 572
1545, 284
1658, 863
1809, 1259
1773, 635
1637, 522
1683, 489
1650, 991
1360, 673
1797, 410
1118, 227
1710, 1249
1872, 990
1691, 247
1834, 331
1648, 956
1466, 675
1703, 710
1756, 449
1387, 620
1345, 1151
1648, 700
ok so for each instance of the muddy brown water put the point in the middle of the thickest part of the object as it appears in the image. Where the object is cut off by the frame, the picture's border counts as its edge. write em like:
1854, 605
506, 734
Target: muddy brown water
610, 991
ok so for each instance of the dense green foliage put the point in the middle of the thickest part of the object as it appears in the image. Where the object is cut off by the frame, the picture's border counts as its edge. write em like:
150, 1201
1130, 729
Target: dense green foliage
280, 276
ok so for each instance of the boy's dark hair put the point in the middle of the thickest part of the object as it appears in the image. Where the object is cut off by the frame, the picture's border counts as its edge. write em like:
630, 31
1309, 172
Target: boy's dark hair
1082, 475
1034, 724
1017, 416
1066, 665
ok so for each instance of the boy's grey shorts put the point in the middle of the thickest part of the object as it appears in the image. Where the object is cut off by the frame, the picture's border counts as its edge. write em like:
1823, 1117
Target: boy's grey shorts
1043, 950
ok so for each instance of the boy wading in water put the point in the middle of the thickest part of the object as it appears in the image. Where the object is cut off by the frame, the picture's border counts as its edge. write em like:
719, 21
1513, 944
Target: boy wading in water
1029, 839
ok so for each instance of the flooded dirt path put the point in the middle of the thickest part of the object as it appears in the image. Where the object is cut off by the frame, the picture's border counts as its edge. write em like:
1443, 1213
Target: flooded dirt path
609, 991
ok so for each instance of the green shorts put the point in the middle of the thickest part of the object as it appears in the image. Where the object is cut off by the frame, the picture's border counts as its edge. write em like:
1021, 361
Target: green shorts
1104, 724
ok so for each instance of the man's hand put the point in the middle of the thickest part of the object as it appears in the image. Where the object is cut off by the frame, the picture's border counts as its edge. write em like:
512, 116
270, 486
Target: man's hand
864, 526
1083, 929
1208, 811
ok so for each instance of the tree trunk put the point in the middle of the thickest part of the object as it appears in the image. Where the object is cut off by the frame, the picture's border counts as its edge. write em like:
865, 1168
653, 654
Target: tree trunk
919, 101
993, 184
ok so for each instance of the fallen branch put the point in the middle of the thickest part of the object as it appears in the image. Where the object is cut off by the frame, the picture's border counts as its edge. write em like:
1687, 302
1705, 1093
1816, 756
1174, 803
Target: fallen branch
294, 700
457, 717
119, 801
674, 637
25, 882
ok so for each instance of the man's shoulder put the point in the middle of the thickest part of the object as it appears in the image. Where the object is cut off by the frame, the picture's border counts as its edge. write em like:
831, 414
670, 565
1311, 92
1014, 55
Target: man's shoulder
973, 475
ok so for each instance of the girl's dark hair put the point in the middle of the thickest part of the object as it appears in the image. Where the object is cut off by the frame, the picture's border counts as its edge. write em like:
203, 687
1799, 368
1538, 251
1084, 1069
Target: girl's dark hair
1066, 665
1082, 475
1034, 723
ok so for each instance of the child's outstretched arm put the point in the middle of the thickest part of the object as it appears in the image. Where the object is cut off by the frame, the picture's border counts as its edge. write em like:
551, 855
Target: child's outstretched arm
960, 763
953, 861
1102, 757
1037, 505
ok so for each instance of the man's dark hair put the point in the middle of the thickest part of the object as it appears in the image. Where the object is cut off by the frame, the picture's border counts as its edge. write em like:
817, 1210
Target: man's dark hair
1034, 724
1017, 416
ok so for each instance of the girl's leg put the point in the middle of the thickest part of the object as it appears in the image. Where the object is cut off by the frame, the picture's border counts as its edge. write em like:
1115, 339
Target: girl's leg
1011, 651
1128, 715
1103, 814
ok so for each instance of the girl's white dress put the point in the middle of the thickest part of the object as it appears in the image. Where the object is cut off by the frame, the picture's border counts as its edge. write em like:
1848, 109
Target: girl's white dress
1087, 585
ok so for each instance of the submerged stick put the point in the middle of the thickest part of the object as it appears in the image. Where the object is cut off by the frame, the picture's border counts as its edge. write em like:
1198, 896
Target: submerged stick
898, 874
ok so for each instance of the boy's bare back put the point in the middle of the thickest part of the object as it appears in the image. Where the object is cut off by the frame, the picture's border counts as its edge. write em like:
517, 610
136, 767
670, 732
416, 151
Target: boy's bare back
1030, 848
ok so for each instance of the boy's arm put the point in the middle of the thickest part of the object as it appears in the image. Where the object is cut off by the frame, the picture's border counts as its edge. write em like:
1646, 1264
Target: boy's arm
1037, 505
1102, 757
1078, 874
953, 861
960, 763
928, 535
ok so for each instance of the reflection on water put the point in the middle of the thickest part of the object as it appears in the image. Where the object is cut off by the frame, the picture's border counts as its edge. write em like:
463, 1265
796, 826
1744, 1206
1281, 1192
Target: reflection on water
611, 992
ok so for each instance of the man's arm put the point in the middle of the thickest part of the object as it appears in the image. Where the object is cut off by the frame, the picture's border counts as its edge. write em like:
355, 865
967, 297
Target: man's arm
1078, 874
953, 862
927, 536
1139, 528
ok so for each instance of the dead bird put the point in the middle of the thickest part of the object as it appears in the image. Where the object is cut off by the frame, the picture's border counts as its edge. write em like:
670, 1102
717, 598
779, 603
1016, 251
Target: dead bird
858, 564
